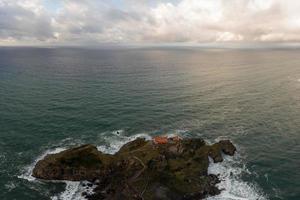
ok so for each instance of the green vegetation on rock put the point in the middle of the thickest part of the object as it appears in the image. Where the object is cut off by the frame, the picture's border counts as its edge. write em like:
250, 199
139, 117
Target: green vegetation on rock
140, 169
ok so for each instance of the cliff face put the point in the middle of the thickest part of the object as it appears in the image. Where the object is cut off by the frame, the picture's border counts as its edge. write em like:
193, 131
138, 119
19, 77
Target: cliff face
176, 169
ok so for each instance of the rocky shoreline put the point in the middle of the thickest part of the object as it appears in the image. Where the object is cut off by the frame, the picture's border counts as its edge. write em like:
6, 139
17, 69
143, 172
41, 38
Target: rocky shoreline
159, 169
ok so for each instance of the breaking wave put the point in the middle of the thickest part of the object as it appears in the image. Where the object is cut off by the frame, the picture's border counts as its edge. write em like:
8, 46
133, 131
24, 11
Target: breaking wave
27, 171
232, 186
73, 191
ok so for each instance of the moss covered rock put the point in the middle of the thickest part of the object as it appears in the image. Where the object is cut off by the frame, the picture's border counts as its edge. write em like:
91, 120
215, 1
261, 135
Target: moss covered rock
80, 163
141, 169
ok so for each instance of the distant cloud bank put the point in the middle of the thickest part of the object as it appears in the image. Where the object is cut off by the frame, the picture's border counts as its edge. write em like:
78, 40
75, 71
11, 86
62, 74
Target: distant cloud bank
90, 22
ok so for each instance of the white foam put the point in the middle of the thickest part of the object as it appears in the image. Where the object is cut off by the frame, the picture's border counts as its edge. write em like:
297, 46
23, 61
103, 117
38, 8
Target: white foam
73, 191
27, 172
118, 132
230, 170
232, 186
114, 142
10, 186
69, 193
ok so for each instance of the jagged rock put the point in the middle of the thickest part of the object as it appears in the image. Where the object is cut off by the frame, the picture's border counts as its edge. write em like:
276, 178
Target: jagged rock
223, 146
81, 163
141, 169
227, 147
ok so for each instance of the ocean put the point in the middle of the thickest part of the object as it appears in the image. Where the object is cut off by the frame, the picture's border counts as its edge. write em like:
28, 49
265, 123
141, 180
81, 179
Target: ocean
55, 98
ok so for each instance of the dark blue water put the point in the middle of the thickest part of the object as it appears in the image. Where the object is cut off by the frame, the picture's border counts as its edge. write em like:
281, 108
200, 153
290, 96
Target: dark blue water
59, 97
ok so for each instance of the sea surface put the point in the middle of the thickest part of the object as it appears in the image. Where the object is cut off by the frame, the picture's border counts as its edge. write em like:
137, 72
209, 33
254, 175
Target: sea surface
55, 98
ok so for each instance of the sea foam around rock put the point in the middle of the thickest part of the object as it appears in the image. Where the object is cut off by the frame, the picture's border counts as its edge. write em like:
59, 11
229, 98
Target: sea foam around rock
234, 188
230, 170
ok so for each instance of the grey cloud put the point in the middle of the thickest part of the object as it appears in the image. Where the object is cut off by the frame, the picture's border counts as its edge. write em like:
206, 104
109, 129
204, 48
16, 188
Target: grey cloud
140, 21
20, 23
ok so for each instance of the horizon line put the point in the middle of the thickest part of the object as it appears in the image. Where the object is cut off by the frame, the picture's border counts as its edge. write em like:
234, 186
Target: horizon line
280, 45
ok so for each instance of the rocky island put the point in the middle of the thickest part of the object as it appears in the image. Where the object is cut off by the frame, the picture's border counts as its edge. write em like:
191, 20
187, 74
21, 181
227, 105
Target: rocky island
159, 169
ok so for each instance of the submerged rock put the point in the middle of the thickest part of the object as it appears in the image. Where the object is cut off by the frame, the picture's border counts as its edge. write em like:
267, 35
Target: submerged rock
141, 169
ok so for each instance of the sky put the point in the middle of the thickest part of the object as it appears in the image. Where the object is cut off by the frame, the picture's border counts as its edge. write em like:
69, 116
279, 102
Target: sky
98, 22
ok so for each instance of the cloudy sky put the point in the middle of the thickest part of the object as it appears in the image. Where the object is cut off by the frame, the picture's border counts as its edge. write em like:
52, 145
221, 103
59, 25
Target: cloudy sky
90, 22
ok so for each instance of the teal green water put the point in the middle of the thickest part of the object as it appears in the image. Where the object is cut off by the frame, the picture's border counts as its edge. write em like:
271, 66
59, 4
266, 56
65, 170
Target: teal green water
52, 98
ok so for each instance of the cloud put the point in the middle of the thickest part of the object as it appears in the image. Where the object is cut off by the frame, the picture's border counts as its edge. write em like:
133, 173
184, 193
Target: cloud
141, 21
24, 20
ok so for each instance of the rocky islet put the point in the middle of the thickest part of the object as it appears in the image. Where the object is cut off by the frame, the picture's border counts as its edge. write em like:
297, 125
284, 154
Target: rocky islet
141, 169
